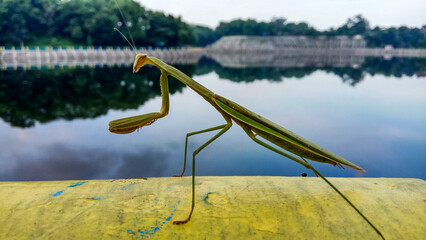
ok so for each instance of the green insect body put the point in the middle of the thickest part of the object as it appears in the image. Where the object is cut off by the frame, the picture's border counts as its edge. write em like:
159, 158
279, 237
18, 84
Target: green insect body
253, 124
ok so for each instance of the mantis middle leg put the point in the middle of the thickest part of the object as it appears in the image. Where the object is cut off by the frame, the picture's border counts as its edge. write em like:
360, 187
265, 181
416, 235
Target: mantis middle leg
224, 129
186, 143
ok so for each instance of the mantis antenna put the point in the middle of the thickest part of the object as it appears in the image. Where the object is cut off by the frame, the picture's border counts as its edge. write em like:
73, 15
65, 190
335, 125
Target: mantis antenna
127, 27
116, 29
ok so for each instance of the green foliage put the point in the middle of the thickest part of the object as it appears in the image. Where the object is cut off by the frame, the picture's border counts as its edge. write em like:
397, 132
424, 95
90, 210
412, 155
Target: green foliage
204, 35
162, 30
91, 22
357, 25
276, 27
402, 37
248, 27
25, 20
88, 22
52, 41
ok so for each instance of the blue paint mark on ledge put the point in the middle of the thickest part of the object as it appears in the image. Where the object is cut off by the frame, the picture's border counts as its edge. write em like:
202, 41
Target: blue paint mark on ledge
128, 186
77, 184
72, 185
158, 225
58, 193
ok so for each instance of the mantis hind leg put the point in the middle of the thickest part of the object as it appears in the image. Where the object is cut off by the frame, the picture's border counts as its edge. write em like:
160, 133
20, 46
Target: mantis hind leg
224, 129
252, 136
346, 199
309, 166
186, 143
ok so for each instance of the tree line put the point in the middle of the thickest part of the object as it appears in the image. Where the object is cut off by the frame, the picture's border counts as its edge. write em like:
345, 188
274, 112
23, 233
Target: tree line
88, 22
92, 22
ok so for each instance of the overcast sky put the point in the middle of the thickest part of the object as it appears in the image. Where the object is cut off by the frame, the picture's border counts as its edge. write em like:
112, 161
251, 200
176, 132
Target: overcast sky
322, 14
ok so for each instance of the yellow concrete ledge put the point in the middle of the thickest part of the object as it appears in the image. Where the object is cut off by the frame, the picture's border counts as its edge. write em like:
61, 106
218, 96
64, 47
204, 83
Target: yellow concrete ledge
226, 208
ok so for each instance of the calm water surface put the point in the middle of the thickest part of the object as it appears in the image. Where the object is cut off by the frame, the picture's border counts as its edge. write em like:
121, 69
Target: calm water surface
54, 123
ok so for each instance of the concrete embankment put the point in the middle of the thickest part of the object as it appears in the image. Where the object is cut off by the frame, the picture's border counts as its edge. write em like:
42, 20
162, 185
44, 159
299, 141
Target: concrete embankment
226, 208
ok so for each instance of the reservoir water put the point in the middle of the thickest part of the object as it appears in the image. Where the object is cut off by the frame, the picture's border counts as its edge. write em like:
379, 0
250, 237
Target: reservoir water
54, 122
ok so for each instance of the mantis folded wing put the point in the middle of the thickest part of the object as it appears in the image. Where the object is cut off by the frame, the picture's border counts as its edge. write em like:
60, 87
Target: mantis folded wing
252, 123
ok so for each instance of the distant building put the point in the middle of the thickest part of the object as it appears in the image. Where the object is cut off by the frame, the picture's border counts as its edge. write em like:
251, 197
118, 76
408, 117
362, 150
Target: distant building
244, 43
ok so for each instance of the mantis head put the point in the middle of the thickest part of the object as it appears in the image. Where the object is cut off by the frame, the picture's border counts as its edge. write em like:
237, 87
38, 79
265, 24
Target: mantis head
140, 61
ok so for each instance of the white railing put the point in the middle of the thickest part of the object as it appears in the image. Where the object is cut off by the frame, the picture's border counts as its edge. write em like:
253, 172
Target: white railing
34, 57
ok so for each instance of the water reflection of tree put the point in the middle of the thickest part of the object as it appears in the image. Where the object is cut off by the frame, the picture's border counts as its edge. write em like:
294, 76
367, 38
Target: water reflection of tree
252, 74
41, 96
348, 75
396, 67
46, 95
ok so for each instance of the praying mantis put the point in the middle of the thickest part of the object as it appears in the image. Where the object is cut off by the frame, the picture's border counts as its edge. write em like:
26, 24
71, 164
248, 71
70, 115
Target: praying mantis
253, 125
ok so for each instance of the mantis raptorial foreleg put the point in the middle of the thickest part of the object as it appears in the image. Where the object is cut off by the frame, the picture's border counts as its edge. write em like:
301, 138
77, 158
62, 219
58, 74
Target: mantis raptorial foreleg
186, 143
131, 124
224, 129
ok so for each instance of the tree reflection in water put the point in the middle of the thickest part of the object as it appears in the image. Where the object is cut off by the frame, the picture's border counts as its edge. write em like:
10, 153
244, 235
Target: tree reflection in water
42, 96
